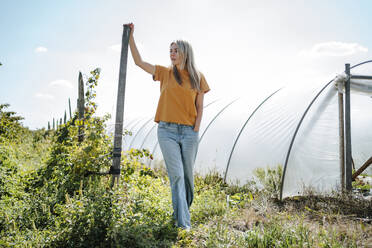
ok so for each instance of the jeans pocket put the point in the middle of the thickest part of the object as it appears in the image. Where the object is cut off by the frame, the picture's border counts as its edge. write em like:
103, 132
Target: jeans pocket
192, 132
192, 129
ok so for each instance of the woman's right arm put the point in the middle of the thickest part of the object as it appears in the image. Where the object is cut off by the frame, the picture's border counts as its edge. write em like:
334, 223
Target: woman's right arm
135, 54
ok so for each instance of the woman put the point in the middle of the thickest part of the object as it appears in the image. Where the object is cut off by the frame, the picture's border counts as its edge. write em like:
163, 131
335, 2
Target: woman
179, 113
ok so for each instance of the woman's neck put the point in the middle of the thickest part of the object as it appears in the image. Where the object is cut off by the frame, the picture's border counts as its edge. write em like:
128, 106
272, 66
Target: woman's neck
179, 68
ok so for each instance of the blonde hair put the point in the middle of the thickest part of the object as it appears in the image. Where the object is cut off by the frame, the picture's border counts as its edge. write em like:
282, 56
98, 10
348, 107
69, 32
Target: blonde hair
187, 62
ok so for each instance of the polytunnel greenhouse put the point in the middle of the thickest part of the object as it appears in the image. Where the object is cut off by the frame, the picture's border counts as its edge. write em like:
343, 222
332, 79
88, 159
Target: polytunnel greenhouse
296, 127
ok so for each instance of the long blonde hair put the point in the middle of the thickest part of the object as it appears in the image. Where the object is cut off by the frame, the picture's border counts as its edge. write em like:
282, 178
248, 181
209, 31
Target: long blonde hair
187, 62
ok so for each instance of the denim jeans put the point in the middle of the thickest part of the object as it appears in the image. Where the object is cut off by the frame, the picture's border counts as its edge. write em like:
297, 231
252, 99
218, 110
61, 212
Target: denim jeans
179, 145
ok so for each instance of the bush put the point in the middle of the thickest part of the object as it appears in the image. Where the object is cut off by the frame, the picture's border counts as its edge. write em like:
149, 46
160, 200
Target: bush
270, 179
10, 126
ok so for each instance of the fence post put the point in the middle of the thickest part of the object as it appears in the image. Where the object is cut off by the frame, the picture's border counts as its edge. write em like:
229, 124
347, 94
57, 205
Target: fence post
69, 107
341, 120
80, 105
348, 164
118, 137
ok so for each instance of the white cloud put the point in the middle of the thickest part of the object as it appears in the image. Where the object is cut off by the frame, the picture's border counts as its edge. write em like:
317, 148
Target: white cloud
61, 83
44, 96
333, 49
116, 47
41, 49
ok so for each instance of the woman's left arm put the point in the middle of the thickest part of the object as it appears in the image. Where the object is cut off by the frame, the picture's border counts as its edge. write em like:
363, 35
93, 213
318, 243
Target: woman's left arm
199, 110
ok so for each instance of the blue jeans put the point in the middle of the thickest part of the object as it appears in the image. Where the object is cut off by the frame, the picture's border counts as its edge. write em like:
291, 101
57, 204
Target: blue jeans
179, 145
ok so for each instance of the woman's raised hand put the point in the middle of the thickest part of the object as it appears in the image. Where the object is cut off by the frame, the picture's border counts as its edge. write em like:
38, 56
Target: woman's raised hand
136, 55
131, 26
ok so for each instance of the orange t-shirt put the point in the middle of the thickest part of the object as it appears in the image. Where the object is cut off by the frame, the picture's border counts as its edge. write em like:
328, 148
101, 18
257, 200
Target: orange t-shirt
177, 102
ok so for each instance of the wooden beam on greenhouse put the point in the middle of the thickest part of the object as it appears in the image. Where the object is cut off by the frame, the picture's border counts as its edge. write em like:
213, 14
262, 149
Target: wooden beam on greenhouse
361, 169
341, 134
118, 137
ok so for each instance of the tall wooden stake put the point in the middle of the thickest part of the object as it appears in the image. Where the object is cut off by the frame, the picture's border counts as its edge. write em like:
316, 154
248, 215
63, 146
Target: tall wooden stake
348, 165
120, 107
80, 104
69, 107
341, 134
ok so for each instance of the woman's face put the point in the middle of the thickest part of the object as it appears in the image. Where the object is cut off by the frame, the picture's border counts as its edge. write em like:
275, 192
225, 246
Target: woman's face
175, 55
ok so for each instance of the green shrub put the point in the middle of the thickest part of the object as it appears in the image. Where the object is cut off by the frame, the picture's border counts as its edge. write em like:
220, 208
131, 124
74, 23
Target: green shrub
10, 126
270, 179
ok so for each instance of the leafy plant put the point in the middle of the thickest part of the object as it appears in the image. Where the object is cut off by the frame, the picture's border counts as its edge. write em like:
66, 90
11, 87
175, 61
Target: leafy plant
10, 126
270, 179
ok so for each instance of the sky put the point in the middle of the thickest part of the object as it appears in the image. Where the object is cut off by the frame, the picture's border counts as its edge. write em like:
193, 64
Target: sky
244, 48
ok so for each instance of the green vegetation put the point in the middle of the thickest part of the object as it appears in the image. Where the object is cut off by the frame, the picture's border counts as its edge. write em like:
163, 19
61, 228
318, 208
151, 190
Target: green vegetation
51, 196
359, 184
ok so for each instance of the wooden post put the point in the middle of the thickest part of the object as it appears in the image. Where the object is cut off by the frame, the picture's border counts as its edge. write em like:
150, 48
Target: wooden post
348, 165
69, 107
120, 107
48, 125
341, 134
361, 169
80, 105
65, 118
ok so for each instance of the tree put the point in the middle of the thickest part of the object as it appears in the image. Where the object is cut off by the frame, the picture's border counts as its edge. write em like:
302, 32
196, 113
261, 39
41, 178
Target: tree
10, 125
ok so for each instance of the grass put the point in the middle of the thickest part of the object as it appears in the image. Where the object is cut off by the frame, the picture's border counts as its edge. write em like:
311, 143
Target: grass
59, 207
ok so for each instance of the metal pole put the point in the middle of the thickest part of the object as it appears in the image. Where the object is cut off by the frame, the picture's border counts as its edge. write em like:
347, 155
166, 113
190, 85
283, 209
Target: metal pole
348, 165
341, 134
120, 107
361, 77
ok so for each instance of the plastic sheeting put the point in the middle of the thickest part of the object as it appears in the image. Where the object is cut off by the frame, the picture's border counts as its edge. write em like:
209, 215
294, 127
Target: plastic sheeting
133, 129
313, 162
361, 130
362, 86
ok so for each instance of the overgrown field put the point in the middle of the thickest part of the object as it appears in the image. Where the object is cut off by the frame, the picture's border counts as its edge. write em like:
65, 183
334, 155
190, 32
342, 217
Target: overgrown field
50, 196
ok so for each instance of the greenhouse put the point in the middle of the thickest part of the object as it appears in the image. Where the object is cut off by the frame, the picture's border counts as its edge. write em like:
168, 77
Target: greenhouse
296, 127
